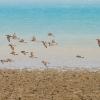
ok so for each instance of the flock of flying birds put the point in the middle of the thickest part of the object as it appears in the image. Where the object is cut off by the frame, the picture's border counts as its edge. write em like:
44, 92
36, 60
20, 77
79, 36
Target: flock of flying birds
13, 52
46, 44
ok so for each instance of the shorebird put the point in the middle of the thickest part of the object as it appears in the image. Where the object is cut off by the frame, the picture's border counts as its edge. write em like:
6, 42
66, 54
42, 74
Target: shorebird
22, 41
54, 42
45, 63
12, 46
44, 43
13, 53
24, 52
8, 60
50, 34
2, 61
50, 44
14, 36
32, 55
98, 40
78, 56
8, 37
33, 39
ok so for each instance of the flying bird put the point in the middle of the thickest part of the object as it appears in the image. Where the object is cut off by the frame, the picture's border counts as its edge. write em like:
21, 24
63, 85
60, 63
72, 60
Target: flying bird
45, 63
44, 43
12, 46
32, 55
14, 36
54, 42
78, 56
2, 61
98, 40
13, 53
8, 60
22, 41
24, 52
33, 39
50, 44
8, 37
50, 34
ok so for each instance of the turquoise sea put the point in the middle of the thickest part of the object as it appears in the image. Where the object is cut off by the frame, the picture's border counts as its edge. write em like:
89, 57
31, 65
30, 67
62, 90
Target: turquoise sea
72, 25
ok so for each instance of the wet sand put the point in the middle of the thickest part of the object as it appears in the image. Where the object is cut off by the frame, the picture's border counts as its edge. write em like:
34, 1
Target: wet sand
57, 56
49, 84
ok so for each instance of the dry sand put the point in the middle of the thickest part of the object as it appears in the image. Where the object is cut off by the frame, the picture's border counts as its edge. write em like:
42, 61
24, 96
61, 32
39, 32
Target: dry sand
49, 84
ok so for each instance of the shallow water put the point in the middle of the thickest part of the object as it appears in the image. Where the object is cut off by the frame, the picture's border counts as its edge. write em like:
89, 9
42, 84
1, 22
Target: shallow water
74, 27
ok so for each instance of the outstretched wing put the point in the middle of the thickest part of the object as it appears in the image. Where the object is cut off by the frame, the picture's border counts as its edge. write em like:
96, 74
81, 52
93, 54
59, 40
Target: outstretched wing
44, 44
8, 38
11, 46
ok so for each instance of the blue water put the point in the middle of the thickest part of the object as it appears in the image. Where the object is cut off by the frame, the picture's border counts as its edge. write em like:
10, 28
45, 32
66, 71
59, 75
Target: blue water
70, 24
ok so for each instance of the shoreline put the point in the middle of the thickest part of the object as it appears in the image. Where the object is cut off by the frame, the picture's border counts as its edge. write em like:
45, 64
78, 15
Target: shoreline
92, 69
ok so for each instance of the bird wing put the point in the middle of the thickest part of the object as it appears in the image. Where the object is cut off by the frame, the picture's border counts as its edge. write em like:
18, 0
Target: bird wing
44, 44
8, 38
12, 47
2, 61
23, 52
98, 42
32, 54
34, 38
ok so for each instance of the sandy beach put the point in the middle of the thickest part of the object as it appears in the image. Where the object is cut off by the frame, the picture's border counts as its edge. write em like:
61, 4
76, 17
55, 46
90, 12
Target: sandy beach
49, 50
51, 84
